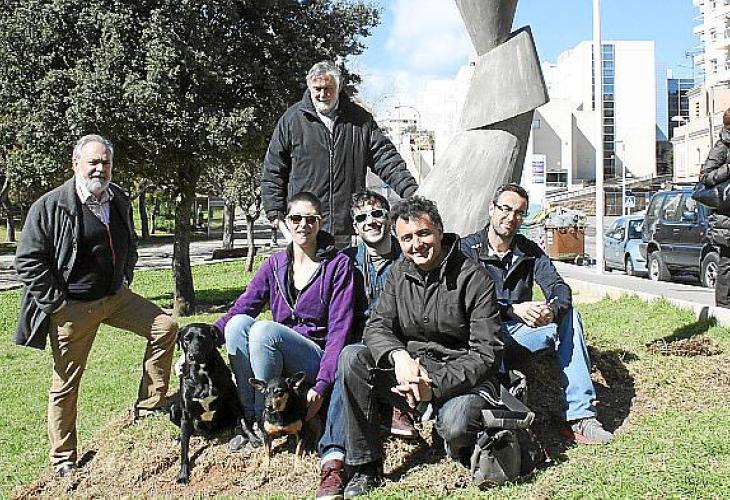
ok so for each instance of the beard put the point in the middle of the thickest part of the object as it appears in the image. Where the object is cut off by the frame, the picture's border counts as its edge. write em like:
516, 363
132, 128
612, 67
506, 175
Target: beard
96, 185
323, 107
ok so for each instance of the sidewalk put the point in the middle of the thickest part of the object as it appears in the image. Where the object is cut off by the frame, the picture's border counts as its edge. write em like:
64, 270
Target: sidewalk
588, 284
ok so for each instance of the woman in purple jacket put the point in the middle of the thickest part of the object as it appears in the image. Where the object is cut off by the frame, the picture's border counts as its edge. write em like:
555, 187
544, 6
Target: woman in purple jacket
309, 289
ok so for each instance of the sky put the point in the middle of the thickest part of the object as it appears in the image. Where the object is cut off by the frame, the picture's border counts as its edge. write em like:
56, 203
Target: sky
421, 40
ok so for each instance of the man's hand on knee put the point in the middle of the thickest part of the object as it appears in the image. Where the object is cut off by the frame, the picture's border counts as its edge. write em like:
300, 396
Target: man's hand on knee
413, 381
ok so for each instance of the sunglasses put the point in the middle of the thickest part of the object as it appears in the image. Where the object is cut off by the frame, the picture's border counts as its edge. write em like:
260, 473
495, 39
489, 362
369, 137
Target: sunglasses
506, 209
378, 213
309, 219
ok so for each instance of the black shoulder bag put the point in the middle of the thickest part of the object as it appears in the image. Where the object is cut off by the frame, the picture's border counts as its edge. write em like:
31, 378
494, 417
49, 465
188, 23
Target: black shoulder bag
506, 449
717, 196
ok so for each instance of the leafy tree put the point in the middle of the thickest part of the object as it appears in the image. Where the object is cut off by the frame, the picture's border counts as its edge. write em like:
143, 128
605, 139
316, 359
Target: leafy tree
178, 86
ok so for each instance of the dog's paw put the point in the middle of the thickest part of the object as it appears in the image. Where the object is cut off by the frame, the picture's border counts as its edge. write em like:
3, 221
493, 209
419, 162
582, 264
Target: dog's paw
184, 476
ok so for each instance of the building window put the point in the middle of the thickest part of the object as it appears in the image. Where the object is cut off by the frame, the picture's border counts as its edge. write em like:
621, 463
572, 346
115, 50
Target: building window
713, 66
535, 124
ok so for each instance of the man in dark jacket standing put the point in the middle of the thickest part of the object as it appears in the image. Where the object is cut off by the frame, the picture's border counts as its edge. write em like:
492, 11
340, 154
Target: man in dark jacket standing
76, 258
433, 337
715, 171
515, 264
325, 144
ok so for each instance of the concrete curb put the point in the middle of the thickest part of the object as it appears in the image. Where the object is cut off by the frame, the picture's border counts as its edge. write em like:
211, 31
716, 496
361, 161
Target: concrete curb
702, 312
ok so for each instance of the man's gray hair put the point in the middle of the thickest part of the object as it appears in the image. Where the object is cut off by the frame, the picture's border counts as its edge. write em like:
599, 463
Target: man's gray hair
323, 68
92, 138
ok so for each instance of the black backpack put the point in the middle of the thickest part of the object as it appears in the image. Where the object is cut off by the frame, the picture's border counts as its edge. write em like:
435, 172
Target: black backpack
506, 449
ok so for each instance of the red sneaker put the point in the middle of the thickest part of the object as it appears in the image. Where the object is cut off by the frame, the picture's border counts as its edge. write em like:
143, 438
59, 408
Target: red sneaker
331, 481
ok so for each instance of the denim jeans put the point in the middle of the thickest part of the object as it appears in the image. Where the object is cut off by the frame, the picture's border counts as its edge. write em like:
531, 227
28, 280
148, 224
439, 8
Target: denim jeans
575, 365
264, 350
364, 387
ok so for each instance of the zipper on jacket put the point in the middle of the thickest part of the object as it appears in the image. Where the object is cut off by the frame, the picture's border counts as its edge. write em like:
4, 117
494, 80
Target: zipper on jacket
332, 180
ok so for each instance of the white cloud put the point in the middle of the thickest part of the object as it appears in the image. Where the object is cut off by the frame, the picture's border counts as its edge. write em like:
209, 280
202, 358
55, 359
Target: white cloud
428, 36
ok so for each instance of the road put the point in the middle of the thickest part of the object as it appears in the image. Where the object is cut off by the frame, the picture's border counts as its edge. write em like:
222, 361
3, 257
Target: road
159, 256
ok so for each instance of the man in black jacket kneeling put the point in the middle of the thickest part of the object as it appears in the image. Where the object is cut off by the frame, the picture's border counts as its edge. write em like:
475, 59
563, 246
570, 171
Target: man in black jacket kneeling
432, 338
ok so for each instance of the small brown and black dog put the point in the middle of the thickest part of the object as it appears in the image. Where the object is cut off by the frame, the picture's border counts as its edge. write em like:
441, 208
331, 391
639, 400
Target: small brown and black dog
284, 410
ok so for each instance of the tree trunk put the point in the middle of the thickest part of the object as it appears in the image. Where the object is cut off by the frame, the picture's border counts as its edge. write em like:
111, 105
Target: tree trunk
229, 219
10, 237
183, 276
8, 207
155, 212
143, 222
249, 241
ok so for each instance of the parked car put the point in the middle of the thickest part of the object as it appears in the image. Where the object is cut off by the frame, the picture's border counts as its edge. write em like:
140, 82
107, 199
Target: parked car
621, 246
674, 237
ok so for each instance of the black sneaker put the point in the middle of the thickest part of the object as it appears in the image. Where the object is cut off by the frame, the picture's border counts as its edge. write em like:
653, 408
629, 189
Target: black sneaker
365, 479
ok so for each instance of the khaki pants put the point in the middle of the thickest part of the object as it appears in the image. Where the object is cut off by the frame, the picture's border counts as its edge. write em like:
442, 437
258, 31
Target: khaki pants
72, 333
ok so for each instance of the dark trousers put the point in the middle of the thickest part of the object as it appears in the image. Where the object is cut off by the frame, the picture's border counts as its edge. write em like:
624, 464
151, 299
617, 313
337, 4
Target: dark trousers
722, 285
365, 387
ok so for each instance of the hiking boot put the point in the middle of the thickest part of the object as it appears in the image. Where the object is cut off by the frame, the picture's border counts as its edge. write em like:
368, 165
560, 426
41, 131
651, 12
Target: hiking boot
401, 425
365, 479
588, 431
331, 481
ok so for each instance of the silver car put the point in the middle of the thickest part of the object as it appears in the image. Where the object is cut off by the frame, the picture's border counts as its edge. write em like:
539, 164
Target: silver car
621, 246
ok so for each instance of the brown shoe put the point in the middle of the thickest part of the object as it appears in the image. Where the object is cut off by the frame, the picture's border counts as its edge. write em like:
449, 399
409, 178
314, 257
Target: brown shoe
331, 481
401, 425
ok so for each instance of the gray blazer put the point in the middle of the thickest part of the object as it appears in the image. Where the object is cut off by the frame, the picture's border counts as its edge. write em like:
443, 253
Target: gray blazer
47, 252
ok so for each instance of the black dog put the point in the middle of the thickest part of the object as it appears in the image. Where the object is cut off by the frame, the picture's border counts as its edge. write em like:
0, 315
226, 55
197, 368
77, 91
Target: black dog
284, 411
208, 400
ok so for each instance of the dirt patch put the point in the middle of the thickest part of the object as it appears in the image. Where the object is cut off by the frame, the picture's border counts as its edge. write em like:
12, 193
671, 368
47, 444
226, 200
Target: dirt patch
142, 460
692, 346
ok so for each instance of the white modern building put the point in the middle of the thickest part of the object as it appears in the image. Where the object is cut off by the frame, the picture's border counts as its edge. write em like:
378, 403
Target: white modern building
563, 134
712, 56
707, 101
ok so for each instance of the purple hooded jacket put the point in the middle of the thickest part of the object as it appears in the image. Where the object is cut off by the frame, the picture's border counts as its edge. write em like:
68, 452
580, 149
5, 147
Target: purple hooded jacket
323, 311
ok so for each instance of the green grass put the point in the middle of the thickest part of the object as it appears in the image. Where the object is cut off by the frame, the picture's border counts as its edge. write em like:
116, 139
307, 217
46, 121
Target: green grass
674, 439
109, 384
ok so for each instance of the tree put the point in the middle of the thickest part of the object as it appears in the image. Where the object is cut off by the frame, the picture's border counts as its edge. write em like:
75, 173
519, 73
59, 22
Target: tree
177, 85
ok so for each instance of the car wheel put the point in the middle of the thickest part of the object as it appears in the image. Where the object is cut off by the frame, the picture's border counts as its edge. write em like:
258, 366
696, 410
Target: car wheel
629, 267
605, 266
708, 274
657, 268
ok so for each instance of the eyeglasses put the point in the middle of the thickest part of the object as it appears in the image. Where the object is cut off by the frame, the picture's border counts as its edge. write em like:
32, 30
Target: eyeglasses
378, 213
506, 209
310, 219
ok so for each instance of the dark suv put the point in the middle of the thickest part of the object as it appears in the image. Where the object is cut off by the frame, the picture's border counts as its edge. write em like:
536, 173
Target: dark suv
674, 237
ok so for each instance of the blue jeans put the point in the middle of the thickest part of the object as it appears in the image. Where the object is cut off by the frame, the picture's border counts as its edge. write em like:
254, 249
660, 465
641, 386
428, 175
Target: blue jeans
575, 365
264, 350
332, 442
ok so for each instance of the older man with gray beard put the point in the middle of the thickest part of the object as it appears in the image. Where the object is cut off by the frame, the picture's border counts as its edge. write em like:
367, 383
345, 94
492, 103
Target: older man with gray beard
324, 144
76, 260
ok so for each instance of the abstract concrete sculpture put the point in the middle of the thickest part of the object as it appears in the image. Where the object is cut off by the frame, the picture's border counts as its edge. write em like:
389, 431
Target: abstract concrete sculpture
489, 149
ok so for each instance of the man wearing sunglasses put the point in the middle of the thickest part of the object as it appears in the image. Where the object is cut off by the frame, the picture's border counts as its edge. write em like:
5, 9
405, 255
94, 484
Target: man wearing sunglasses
373, 254
516, 264
324, 144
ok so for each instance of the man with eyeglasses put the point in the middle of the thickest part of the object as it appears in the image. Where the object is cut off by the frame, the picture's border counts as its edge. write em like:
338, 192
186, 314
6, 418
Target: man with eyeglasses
516, 264
373, 254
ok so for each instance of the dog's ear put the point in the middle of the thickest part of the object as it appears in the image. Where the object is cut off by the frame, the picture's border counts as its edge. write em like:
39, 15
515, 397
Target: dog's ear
295, 380
257, 384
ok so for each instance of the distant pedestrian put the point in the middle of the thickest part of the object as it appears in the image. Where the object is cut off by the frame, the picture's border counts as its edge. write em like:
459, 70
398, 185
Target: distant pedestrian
716, 170
324, 144
76, 259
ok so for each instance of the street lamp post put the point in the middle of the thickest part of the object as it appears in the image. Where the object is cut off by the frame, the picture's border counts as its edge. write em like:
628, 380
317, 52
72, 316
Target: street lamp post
623, 174
598, 98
